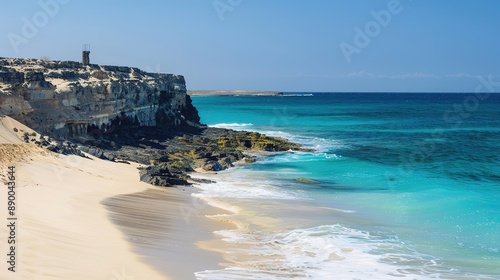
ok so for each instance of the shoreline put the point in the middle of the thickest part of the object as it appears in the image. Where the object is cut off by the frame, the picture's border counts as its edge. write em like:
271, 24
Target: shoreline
96, 215
166, 226
82, 204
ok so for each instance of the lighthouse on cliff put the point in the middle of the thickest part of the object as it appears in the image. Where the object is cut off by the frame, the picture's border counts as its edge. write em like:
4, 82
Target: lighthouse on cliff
86, 54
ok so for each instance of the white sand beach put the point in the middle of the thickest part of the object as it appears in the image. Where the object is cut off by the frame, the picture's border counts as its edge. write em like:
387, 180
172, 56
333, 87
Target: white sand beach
64, 230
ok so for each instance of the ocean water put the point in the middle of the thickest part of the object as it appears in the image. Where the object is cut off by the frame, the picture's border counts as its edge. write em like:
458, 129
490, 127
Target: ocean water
406, 186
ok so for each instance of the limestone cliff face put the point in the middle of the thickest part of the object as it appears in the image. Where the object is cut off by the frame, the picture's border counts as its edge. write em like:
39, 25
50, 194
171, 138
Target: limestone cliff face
64, 98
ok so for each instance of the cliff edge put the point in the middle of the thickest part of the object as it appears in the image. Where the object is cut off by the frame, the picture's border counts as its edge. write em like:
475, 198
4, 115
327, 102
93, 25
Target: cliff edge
117, 113
68, 99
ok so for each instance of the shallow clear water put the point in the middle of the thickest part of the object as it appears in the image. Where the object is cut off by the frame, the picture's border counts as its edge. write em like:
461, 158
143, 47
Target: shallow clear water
408, 184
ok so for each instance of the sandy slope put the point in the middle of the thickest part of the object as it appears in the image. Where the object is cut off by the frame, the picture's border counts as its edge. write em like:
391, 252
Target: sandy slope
11, 131
63, 229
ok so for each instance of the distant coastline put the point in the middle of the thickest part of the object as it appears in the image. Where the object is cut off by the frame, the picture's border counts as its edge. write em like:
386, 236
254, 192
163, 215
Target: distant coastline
233, 92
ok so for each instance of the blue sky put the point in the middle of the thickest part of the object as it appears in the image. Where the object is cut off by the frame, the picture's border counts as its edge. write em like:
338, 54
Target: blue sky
286, 45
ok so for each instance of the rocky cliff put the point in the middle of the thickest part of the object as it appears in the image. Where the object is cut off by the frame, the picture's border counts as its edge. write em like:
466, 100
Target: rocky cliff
67, 99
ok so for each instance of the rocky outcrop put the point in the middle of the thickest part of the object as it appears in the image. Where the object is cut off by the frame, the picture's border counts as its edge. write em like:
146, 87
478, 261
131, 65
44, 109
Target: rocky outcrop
170, 154
160, 175
122, 111
67, 99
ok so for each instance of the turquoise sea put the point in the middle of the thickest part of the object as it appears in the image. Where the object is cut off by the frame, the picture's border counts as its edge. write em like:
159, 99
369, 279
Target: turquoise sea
406, 186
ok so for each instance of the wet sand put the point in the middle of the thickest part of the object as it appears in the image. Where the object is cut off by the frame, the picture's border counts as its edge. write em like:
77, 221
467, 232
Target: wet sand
165, 227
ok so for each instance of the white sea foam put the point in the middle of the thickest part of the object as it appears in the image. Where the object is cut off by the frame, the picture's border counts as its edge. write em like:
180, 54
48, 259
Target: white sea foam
217, 203
324, 252
229, 187
301, 157
297, 95
231, 125
321, 252
317, 143
339, 210
327, 252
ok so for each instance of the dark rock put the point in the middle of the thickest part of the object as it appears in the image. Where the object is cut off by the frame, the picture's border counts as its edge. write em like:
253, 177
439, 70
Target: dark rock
109, 156
226, 163
213, 166
83, 149
53, 148
98, 153
160, 175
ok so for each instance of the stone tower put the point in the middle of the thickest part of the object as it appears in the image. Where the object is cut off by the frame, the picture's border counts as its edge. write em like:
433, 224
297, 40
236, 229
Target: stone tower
86, 54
